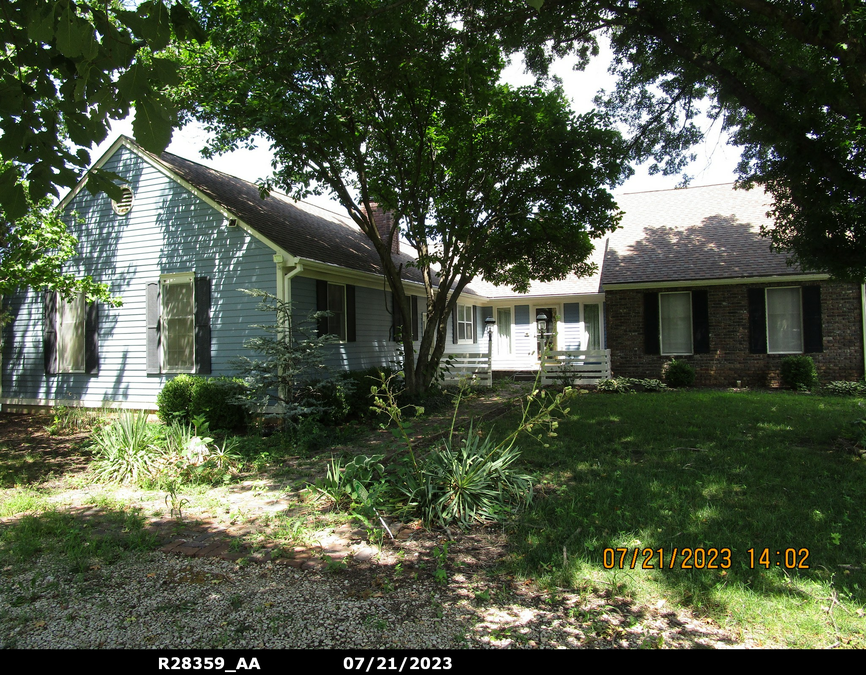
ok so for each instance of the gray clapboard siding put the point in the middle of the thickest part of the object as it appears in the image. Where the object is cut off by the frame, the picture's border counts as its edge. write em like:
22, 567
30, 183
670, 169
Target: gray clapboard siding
168, 230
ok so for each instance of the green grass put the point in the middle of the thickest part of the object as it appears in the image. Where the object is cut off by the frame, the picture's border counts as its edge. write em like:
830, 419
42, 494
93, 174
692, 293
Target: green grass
76, 543
737, 471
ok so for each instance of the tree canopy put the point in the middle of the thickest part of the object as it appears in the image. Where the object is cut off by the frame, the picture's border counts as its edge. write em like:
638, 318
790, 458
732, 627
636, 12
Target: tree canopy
399, 104
66, 70
787, 79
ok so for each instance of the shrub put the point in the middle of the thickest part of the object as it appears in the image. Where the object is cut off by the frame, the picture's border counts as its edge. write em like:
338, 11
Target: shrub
842, 388
472, 484
213, 397
127, 450
359, 400
173, 402
616, 385
679, 374
798, 372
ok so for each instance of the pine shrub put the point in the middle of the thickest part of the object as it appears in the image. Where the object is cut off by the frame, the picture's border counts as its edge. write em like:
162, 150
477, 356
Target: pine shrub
679, 374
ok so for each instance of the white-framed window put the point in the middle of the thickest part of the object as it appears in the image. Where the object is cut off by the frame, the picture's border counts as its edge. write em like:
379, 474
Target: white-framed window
675, 323
177, 293
592, 323
465, 325
337, 308
784, 320
70, 335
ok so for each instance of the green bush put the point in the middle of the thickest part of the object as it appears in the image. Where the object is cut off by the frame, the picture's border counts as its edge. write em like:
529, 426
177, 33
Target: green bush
616, 385
679, 374
359, 400
798, 372
469, 485
127, 450
213, 396
843, 388
173, 402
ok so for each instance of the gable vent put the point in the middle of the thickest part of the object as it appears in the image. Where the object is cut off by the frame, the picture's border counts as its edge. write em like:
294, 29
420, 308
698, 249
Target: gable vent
124, 206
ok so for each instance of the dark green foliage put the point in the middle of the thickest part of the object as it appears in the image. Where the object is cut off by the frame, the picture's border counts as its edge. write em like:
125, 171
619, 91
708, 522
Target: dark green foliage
842, 388
798, 372
59, 63
401, 104
359, 400
174, 401
679, 374
214, 398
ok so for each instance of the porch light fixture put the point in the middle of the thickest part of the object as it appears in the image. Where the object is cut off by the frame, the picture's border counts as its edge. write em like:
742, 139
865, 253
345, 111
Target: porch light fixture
541, 320
489, 322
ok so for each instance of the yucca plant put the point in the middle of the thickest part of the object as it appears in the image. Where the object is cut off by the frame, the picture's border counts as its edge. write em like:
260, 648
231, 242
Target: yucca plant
470, 484
127, 450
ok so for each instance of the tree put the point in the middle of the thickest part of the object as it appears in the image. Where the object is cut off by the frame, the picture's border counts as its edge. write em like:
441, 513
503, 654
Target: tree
398, 105
787, 79
33, 253
67, 69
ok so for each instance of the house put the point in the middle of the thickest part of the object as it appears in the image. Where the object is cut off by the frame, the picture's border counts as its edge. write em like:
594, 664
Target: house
688, 276
185, 240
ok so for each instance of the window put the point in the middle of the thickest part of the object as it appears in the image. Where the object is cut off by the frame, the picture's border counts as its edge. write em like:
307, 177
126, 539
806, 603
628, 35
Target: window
675, 323
465, 326
592, 322
339, 301
178, 323
70, 335
177, 317
784, 321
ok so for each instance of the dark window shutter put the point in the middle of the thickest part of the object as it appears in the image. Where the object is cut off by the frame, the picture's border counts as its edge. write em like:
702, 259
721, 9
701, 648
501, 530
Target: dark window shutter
202, 326
152, 320
91, 338
813, 329
322, 306
571, 312
475, 323
701, 322
415, 330
757, 321
521, 315
49, 331
651, 342
454, 333
351, 326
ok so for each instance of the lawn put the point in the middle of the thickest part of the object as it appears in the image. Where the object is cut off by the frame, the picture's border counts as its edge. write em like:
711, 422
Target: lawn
741, 509
764, 483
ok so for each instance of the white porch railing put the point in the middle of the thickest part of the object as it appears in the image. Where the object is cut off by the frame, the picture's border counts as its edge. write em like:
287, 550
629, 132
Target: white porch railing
477, 369
577, 367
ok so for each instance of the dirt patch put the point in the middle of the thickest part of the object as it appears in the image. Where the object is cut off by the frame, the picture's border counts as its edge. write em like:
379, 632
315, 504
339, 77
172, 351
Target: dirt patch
29, 454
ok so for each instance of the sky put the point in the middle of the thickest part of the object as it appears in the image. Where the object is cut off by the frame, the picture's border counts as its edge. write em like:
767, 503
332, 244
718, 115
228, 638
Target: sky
715, 163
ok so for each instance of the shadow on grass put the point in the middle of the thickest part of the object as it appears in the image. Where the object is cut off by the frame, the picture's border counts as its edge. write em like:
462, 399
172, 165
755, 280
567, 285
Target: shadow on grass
745, 473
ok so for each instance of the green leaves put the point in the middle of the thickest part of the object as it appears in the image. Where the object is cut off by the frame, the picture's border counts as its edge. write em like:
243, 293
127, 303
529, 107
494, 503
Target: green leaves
67, 70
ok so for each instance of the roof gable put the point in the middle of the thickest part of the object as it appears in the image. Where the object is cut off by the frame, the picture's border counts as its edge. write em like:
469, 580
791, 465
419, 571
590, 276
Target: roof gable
700, 233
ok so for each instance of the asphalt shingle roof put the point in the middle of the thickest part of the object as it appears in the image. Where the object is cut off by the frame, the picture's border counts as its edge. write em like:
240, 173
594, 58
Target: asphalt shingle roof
304, 230
710, 232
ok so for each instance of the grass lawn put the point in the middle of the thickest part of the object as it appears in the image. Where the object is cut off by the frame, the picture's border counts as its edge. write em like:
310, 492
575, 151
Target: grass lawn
731, 472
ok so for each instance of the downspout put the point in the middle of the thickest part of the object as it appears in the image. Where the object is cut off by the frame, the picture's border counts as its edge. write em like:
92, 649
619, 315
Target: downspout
284, 284
863, 317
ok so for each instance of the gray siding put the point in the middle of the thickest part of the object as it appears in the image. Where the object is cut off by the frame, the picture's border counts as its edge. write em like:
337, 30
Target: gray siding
168, 230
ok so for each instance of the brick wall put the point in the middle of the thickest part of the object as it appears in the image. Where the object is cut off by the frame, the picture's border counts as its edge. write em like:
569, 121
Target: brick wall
729, 359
